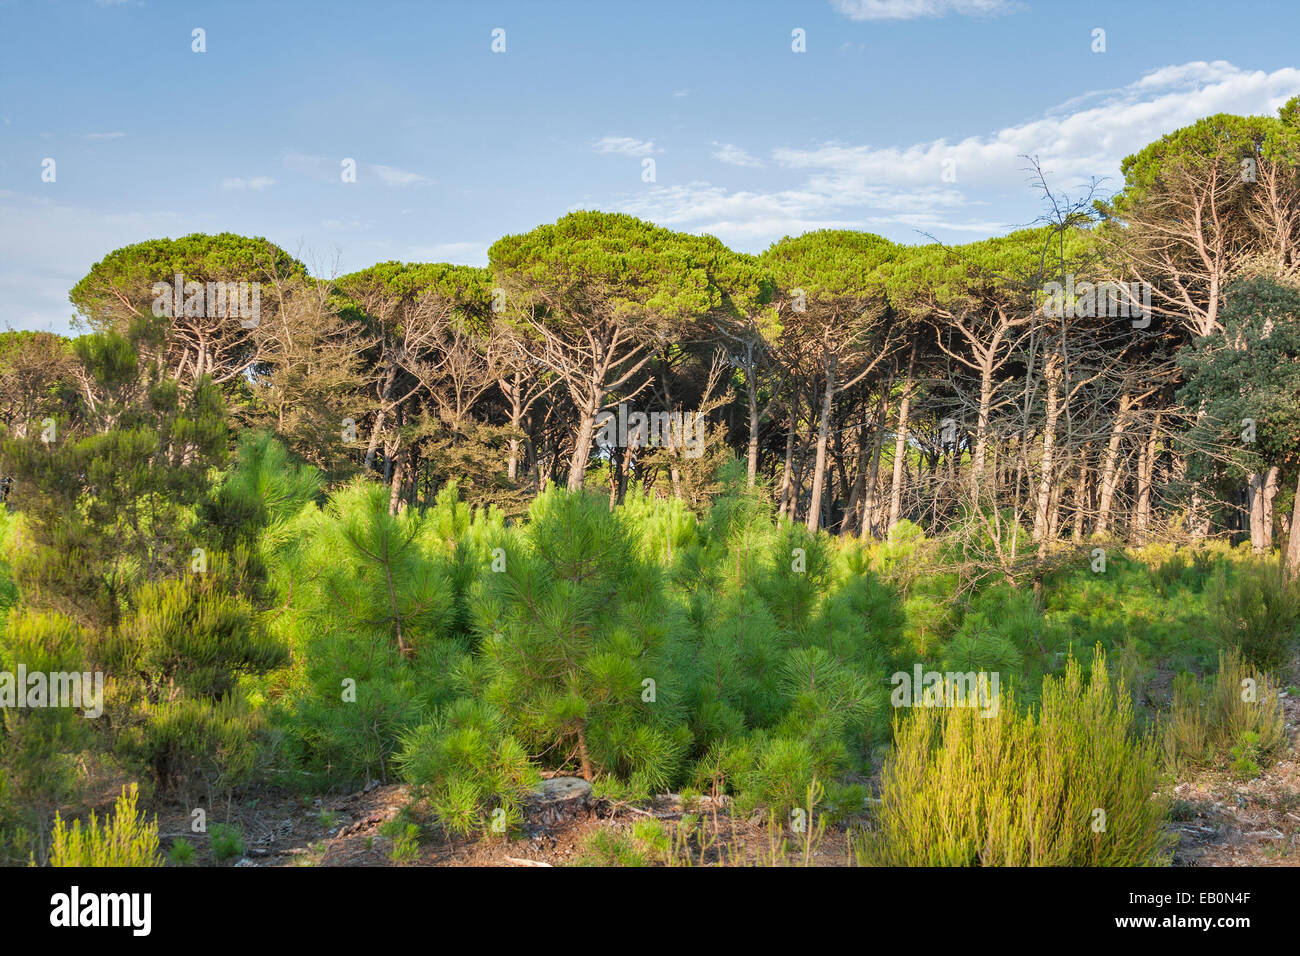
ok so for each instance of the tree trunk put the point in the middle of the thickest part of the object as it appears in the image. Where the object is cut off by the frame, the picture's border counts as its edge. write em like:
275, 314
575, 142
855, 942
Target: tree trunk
873, 478
395, 488
582, 447
787, 475
588, 773
1270, 492
1146, 468
982, 427
900, 447
1046, 482
752, 454
1080, 502
1110, 466
1255, 506
377, 430
823, 435
1293, 544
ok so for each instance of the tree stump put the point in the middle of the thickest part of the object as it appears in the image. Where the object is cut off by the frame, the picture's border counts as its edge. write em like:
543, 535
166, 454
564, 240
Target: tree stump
557, 801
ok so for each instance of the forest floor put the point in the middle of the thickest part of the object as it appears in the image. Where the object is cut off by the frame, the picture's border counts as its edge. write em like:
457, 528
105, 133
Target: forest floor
1222, 821
1217, 820
281, 829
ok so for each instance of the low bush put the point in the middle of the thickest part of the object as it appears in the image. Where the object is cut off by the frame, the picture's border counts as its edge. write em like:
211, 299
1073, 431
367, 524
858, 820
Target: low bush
1211, 717
1066, 783
126, 839
1255, 610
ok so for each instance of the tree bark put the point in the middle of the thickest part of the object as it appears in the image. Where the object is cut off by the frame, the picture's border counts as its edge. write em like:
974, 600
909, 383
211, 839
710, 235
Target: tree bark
1110, 466
900, 446
1293, 544
1146, 468
823, 435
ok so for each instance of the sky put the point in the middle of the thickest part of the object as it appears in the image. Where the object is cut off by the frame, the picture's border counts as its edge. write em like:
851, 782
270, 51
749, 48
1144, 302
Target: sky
907, 118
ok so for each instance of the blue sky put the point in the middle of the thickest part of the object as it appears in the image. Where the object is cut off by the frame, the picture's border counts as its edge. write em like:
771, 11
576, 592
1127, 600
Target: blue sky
456, 145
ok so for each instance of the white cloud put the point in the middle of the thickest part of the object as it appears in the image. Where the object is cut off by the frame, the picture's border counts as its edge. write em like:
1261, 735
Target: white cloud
733, 155
104, 135
624, 146
902, 186
253, 182
393, 176
46, 247
329, 169
913, 9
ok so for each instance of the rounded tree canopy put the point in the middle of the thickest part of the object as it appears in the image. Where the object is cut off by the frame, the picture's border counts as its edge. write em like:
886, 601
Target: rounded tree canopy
948, 276
414, 280
832, 265
1228, 136
128, 274
612, 264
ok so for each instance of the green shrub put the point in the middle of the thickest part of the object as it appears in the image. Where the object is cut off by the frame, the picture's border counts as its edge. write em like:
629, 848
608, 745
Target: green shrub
1245, 755
610, 848
182, 852
406, 847
1208, 718
1067, 783
1255, 610
227, 841
125, 840
468, 767
653, 839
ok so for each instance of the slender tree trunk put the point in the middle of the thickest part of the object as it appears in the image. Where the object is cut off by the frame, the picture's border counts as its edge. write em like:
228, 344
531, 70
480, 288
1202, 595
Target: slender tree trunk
900, 446
378, 429
982, 427
1146, 468
395, 486
1046, 482
1080, 503
869, 526
823, 436
1293, 543
1270, 492
1255, 505
588, 773
787, 474
752, 454
1110, 466
582, 446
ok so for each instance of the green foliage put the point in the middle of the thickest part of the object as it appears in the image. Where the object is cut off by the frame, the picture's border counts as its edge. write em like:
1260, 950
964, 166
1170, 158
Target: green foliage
1248, 371
469, 768
227, 841
1245, 756
125, 840
369, 625
1208, 718
182, 852
1023, 789
406, 846
1256, 611
570, 633
609, 847
40, 747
